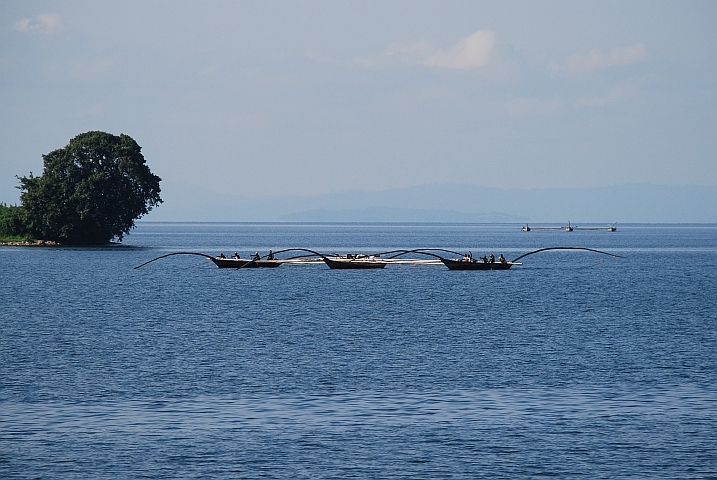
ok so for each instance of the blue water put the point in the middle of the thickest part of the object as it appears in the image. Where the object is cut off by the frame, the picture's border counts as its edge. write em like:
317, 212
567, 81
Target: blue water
572, 365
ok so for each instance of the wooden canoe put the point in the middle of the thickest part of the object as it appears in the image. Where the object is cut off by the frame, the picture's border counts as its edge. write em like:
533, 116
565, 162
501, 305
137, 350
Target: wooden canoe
353, 264
244, 263
476, 265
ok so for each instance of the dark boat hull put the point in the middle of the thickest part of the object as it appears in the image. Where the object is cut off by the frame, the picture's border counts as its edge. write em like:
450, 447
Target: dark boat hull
461, 265
353, 264
244, 263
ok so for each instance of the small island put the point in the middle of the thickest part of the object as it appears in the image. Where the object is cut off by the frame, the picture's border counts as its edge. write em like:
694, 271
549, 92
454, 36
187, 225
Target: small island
90, 193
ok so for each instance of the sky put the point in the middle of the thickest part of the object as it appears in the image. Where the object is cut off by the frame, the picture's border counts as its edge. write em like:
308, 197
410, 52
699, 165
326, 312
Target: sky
307, 98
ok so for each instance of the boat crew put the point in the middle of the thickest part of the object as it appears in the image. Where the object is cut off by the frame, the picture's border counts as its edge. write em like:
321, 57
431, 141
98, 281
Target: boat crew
491, 258
271, 255
221, 255
501, 258
256, 256
236, 255
484, 258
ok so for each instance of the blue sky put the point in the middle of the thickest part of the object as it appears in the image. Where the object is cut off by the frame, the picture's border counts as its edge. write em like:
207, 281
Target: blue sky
307, 98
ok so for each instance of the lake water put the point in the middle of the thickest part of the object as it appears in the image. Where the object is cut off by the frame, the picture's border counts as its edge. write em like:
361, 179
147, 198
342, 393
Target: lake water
574, 364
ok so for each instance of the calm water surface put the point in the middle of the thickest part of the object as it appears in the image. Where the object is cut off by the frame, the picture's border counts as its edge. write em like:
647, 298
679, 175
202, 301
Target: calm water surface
571, 365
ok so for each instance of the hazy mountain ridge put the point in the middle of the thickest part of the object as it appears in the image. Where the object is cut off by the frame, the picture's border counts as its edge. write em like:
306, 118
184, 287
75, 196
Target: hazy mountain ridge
381, 214
454, 203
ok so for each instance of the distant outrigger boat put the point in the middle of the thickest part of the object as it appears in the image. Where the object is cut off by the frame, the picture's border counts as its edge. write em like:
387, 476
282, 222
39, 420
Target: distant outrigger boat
566, 228
243, 263
611, 227
354, 262
362, 262
473, 264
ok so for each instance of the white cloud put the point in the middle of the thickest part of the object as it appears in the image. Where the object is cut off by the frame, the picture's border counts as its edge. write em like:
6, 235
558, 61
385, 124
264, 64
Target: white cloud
415, 53
620, 92
595, 60
48, 23
469, 53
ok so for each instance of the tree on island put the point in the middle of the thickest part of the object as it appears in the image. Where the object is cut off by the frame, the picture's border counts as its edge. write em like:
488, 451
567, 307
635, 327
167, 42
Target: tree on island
90, 192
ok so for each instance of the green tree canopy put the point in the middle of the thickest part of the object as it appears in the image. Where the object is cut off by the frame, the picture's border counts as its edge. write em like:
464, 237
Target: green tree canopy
91, 191
12, 222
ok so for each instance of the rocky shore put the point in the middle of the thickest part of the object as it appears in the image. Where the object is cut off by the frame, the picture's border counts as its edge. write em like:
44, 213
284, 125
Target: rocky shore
30, 243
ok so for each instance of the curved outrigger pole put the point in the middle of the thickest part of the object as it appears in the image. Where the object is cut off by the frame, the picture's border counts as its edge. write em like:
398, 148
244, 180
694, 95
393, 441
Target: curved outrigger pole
208, 257
421, 251
255, 261
566, 248
312, 252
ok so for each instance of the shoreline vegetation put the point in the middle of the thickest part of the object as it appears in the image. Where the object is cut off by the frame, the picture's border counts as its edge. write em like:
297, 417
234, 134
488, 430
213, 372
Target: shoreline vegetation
13, 226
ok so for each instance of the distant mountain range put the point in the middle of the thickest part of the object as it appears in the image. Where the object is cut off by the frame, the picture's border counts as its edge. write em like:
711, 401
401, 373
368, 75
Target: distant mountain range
379, 214
453, 203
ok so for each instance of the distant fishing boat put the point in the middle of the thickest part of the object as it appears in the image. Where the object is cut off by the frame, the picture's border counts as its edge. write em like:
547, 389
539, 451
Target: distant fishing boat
362, 262
244, 263
566, 228
354, 262
472, 264
611, 227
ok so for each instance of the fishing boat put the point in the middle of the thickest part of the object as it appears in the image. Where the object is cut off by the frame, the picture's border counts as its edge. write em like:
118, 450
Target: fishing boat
353, 262
378, 260
243, 263
471, 264
611, 227
526, 228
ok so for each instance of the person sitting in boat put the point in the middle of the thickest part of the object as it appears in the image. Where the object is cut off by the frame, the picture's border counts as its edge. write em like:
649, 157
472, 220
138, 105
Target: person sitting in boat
484, 258
221, 255
501, 258
491, 258
236, 255
271, 255
256, 256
